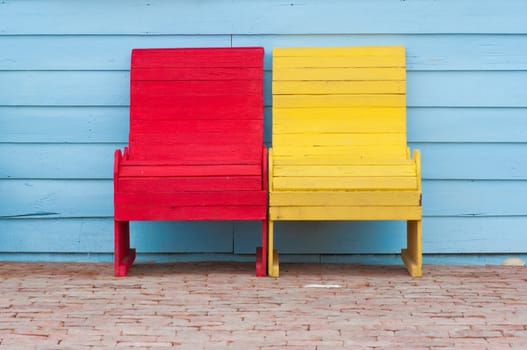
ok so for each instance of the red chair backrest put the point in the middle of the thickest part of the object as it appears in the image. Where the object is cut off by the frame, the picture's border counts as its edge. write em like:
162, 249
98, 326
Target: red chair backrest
197, 106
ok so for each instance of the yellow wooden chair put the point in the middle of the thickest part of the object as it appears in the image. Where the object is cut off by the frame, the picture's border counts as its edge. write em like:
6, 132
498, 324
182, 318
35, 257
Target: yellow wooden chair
339, 142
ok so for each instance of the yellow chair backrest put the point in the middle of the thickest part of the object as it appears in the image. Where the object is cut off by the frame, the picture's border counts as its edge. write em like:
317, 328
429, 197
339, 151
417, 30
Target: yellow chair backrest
345, 104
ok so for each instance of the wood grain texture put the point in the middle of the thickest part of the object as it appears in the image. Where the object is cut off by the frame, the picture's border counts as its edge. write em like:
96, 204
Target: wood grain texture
436, 52
339, 87
188, 170
223, 212
110, 88
315, 213
351, 119
343, 199
351, 163
468, 118
93, 198
347, 183
165, 173
343, 138
110, 125
364, 170
79, 235
221, 57
188, 198
190, 183
262, 17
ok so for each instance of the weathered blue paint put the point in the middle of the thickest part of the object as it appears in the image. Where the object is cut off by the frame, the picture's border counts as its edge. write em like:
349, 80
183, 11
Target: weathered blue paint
110, 125
111, 52
64, 109
263, 17
452, 161
111, 88
83, 198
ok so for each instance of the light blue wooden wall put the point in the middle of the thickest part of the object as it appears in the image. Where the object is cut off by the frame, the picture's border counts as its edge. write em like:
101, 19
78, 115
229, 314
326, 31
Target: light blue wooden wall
64, 109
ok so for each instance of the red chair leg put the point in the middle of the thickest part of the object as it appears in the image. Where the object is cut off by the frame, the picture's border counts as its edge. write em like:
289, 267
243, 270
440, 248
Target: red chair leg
123, 255
261, 253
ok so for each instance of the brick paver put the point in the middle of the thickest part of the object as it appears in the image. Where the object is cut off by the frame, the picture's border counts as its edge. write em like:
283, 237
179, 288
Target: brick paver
223, 306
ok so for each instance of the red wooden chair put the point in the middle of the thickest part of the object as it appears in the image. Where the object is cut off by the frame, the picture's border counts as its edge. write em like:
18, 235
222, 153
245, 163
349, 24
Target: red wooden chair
196, 143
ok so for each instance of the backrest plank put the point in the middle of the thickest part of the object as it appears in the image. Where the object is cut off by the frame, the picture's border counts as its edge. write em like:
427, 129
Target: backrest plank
221, 57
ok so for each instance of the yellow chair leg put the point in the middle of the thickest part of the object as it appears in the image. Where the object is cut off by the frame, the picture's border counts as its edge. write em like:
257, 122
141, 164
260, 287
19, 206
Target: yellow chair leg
272, 259
413, 254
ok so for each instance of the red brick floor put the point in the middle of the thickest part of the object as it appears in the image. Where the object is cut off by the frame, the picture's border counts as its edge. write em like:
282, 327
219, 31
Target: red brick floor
223, 306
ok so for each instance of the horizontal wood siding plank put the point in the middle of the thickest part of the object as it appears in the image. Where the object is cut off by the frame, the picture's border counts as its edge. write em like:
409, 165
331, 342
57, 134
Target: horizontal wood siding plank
95, 236
64, 124
111, 124
477, 89
90, 52
473, 161
29, 199
63, 88
100, 88
94, 198
466, 125
471, 198
448, 161
56, 235
56, 161
475, 235
112, 52
262, 17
